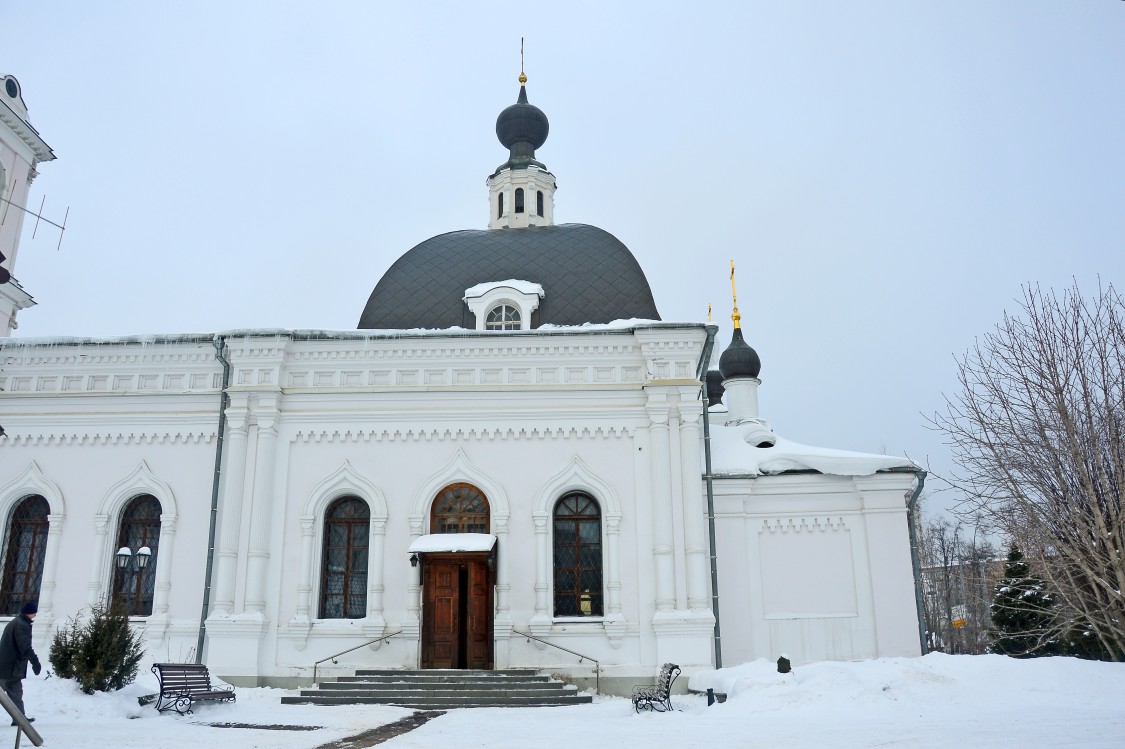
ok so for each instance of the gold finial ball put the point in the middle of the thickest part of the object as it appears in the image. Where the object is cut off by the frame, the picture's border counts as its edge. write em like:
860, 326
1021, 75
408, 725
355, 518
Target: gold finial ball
523, 78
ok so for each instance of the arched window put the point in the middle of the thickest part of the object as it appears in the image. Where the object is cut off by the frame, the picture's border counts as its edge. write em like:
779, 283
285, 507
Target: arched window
133, 585
343, 571
578, 556
459, 508
502, 317
500, 205
539, 203
24, 549
519, 200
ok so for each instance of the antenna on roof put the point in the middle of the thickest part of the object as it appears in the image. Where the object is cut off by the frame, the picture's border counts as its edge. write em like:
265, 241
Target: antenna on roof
38, 217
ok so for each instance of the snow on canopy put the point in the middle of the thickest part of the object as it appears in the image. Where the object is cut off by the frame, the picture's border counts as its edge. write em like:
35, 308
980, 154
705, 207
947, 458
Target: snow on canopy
523, 287
444, 542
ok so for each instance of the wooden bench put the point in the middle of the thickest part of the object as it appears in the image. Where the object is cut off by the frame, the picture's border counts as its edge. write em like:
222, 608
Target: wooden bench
181, 684
657, 697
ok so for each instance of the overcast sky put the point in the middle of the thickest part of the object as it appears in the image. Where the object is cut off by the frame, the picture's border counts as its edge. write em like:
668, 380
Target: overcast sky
886, 175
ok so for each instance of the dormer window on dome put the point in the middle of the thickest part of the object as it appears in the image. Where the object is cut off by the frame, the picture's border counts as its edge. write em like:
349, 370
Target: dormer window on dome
503, 305
503, 316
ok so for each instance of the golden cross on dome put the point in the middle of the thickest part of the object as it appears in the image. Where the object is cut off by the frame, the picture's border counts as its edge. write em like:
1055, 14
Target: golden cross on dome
523, 76
734, 294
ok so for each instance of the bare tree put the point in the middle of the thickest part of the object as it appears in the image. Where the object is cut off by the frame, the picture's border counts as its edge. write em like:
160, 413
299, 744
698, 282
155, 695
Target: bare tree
1038, 433
958, 573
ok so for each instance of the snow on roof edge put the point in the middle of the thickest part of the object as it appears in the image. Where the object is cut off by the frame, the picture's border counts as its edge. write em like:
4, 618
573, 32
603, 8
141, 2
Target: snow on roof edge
615, 326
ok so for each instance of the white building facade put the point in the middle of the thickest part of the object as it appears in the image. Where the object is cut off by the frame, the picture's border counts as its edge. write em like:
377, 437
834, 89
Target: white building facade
475, 489
21, 151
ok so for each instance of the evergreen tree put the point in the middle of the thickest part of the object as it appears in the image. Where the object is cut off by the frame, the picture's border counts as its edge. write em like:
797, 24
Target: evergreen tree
1023, 613
101, 653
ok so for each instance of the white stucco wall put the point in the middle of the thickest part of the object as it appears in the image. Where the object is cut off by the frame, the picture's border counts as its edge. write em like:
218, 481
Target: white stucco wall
815, 566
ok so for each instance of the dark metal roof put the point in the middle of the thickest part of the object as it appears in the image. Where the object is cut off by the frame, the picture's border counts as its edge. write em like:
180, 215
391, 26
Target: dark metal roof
587, 275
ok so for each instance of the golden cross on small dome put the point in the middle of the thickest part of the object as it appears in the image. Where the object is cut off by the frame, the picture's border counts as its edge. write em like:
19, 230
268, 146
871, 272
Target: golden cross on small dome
734, 295
523, 75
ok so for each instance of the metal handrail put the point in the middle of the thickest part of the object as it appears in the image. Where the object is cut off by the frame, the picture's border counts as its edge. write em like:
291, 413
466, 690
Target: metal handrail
581, 657
357, 647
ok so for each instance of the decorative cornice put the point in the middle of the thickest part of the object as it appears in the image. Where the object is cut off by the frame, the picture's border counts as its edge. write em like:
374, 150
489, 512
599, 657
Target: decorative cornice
804, 524
440, 434
293, 361
26, 133
109, 383
118, 438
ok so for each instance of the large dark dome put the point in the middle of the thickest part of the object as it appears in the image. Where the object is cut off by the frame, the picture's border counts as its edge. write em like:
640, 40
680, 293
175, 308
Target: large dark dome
587, 275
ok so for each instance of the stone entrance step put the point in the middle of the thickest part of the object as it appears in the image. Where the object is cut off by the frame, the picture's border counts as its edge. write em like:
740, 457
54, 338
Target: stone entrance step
442, 689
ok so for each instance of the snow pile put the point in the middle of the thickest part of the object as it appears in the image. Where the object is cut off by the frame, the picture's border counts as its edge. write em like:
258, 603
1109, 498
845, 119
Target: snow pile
733, 455
934, 702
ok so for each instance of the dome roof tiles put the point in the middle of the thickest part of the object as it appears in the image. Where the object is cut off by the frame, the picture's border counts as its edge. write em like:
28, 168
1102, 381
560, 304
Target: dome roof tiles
587, 274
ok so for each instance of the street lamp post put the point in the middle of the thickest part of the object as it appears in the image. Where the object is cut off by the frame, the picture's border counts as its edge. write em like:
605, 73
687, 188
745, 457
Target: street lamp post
132, 565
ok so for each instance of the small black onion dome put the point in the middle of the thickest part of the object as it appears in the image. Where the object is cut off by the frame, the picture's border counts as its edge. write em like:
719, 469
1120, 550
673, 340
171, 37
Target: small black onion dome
522, 127
739, 360
715, 387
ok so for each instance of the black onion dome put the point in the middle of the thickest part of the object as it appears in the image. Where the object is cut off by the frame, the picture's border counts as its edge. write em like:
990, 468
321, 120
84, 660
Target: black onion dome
587, 274
522, 127
739, 360
715, 387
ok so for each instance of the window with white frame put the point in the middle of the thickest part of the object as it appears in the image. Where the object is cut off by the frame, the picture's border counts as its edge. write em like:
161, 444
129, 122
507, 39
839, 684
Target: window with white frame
25, 547
577, 534
134, 577
503, 305
343, 572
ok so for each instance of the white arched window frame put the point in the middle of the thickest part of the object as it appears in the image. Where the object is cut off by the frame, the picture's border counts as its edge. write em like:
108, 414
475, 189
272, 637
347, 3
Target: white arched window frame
583, 595
577, 477
345, 481
107, 522
345, 557
32, 481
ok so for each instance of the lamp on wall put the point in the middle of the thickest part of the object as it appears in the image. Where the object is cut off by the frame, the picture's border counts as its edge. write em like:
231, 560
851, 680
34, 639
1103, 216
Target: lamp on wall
139, 560
132, 565
413, 560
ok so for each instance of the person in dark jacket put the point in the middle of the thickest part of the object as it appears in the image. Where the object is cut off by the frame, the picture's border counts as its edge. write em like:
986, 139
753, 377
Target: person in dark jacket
16, 653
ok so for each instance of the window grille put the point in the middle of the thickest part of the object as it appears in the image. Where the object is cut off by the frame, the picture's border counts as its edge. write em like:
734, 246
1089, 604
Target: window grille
24, 549
577, 535
343, 572
459, 508
133, 587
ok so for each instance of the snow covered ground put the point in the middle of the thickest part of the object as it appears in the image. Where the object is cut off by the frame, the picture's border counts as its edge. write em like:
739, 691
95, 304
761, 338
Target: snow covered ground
935, 701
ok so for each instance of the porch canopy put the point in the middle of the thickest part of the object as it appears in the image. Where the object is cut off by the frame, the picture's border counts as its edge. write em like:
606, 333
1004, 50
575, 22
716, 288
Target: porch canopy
448, 542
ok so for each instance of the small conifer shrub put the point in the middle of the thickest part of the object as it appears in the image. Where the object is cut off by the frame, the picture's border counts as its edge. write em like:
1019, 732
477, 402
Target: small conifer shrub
1023, 613
100, 652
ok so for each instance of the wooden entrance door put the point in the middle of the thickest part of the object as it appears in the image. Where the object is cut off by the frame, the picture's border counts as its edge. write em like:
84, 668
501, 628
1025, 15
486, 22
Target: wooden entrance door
456, 611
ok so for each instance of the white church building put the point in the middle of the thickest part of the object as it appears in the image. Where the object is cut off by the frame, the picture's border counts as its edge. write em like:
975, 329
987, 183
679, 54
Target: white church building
508, 462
